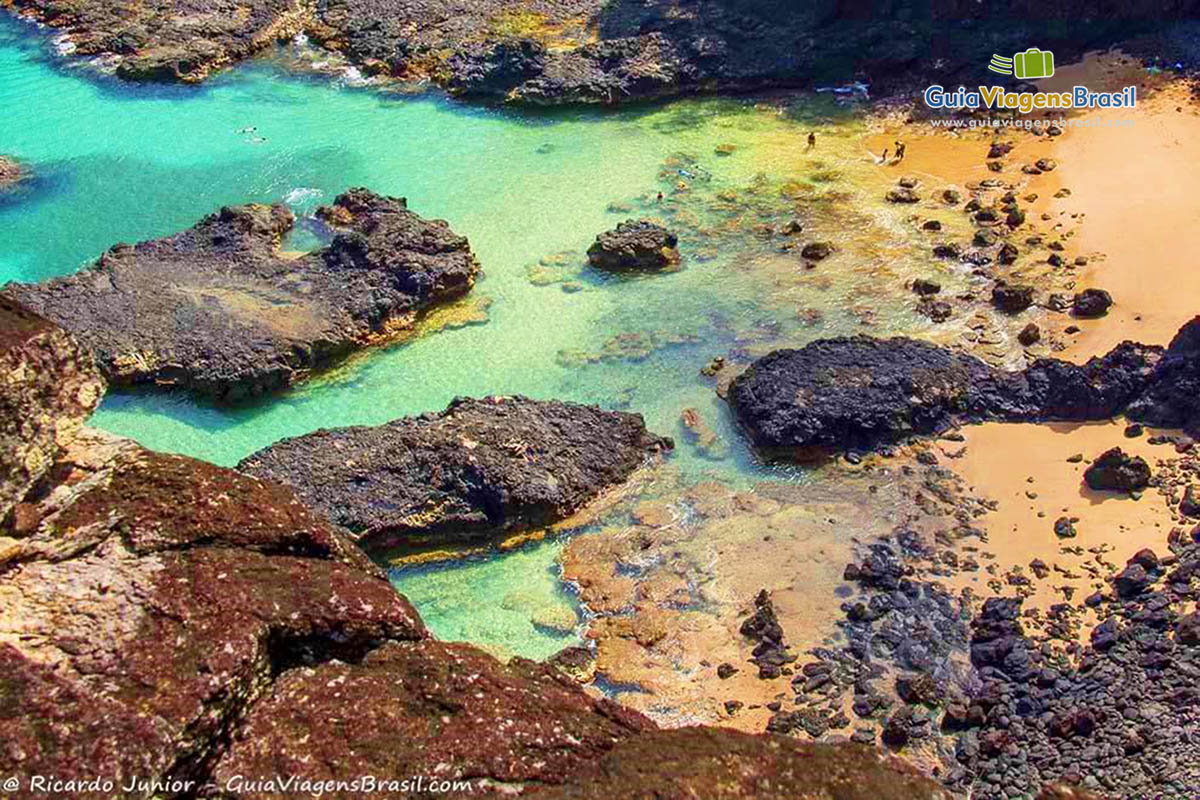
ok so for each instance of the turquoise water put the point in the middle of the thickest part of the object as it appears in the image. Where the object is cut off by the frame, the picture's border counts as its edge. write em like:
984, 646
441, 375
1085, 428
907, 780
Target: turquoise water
121, 163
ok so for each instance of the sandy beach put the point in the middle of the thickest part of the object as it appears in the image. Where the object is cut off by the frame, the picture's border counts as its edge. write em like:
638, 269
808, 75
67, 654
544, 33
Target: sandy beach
1129, 199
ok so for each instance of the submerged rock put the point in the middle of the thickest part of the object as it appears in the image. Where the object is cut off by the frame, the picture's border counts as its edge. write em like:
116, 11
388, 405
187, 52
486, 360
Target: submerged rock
10, 172
481, 468
817, 251
860, 393
635, 245
220, 311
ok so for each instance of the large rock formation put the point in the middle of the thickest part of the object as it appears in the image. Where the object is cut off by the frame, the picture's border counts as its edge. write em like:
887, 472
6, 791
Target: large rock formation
172, 628
48, 388
601, 51
219, 310
165, 40
861, 392
480, 468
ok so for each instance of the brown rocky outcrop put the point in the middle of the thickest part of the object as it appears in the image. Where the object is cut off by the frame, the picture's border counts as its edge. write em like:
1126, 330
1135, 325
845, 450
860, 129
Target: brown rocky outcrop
48, 388
220, 311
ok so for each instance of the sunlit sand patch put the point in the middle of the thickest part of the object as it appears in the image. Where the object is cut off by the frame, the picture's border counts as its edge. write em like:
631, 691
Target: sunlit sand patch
1031, 473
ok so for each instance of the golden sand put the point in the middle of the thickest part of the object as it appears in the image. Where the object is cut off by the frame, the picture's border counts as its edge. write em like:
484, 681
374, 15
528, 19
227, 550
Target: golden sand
1131, 205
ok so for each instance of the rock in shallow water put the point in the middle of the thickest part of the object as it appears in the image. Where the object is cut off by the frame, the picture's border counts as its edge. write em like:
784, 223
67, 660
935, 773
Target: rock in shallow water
635, 245
10, 172
219, 310
480, 468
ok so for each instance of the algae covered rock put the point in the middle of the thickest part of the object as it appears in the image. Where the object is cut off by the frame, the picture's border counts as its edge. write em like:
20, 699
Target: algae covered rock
481, 468
635, 245
219, 310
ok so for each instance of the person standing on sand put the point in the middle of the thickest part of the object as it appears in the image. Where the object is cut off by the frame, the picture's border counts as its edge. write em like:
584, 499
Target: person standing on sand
812, 140
900, 148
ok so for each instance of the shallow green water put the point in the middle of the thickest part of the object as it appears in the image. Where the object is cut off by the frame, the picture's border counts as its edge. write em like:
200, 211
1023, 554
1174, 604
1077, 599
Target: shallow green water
119, 163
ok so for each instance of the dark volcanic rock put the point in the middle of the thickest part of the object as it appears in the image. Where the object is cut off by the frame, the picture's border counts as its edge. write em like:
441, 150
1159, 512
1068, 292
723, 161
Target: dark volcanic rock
925, 287
48, 388
480, 468
1114, 715
1091, 303
218, 310
1173, 398
635, 245
600, 51
817, 251
1030, 335
165, 40
854, 393
861, 392
1115, 471
1012, 299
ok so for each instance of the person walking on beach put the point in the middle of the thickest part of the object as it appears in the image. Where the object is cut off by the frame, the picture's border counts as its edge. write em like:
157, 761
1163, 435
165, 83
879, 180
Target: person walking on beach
812, 140
900, 148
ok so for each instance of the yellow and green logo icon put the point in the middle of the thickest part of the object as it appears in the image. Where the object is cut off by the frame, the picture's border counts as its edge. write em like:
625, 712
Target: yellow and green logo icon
1033, 63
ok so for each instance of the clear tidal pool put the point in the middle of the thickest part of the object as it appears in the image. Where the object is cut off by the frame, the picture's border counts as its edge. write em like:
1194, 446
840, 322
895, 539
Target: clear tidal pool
531, 190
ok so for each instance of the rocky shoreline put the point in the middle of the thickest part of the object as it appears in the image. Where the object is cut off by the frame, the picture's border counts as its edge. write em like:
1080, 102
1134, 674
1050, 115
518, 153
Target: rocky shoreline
228, 613
220, 311
587, 51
